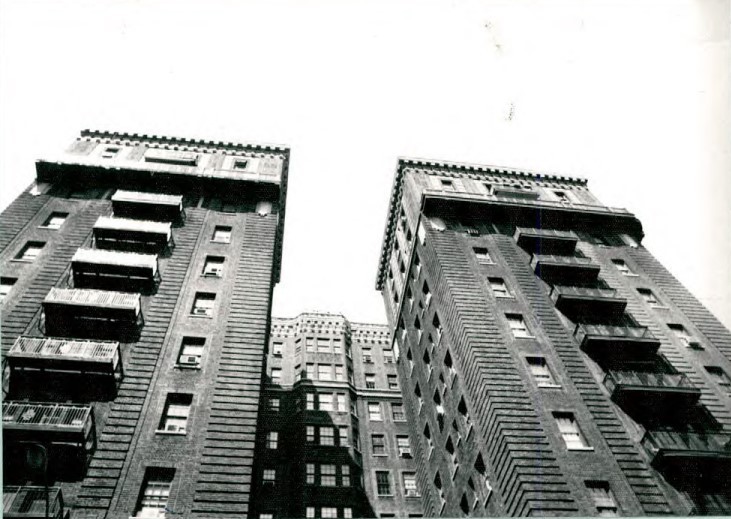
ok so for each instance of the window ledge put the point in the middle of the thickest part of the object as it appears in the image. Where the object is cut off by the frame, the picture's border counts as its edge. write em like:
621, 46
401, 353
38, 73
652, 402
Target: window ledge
21, 260
49, 228
587, 449
187, 367
221, 242
549, 386
525, 337
169, 433
197, 316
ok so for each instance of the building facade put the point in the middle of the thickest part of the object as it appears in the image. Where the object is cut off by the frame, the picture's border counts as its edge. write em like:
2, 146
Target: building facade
550, 365
137, 277
333, 441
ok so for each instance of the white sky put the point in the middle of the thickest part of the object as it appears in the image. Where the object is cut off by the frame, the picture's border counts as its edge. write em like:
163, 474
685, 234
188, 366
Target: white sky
635, 96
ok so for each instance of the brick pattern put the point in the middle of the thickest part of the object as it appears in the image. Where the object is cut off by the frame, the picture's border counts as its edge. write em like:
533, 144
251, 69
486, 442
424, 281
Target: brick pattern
633, 465
527, 474
224, 481
116, 438
17, 215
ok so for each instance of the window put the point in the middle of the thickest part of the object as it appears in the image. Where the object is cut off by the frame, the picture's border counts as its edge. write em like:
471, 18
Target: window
343, 436
719, 375
463, 411
370, 380
540, 371
426, 293
277, 348
323, 345
446, 183
109, 152
428, 438
266, 516
327, 475
397, 411
310, 401
345, 475
328, 512
310, 512
310, 371
649, 297
310, 344
438, 485
6, 285
340, 373
213, 267
437, 324
383, 482
562, 196
499, 288
683, 336
324, 372
155, 493
622, 267
337, 345
410, 489
276, 375
327, 436
310, 432
602, 497
378, 443
175, 415
221, 234
404, 447
325, 401
55, 220
482, 255
310, 479
570, 432
240, 163
367, 359
272, 439
163, 156
273, 404
517, 325
342, 404
387, 356
203, 304
30, 251
488, 188
191, 352
392, 382
482, 471
374, 411
269, 476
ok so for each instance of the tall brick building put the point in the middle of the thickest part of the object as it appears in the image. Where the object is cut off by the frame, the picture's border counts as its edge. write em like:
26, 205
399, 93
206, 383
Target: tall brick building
137, 277
550, 365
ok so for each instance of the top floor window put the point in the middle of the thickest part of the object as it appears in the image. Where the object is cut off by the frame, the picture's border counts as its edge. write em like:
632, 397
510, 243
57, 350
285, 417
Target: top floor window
55, 220
482, 255
649, 297
221, 234
446, 183
109, 152
623, 267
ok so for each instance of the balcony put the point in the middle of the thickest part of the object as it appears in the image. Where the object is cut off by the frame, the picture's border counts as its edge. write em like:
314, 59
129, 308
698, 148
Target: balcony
546, 241
618, 342
92, 314
49, 423
132, 235
650, 394
689, 453
580, 304
566, 270
112, 270
30, 503
88, 368
147, 206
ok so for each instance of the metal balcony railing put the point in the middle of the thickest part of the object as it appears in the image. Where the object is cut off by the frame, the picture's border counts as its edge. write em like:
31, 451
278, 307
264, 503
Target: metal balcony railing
545, 233
129, 234
612, 331
139, 197
29, 415
97, 298
62, 349
133, 226
616, 341
562, 260
687, 444
647, 379
30, 502
546, 241
583, 292
130, 260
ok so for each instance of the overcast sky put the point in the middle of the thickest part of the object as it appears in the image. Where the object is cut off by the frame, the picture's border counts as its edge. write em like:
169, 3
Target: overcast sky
634, 96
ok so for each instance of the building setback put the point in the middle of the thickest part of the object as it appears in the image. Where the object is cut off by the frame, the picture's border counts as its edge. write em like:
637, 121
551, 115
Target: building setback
137, 277
550, 365
333, 440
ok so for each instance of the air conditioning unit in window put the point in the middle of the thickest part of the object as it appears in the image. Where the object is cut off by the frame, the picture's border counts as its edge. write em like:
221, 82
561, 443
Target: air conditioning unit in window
189, 360
404, 452
216, 272
200, 311
174, 428
411, 492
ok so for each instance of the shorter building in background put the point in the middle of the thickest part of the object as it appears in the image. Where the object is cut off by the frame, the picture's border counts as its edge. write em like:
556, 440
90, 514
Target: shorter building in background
332, 437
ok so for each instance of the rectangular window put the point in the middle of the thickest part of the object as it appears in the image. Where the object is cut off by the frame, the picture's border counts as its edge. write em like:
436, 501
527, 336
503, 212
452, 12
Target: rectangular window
273, 404
383, 482
370, 380
392, 382
649, 297
310, 371
404, 447
410, 488
310, 401
213, 267
221, 234
277, 347
310, 512
272, 439
374, 412
310, 432
623, 267
719, 375
517, 325
340, 373
177, 158
175, 416
387, 356
683, 336
154, 493
482, 255
310, 480
6, 285
446, 183
327, 475
324, 372
310, 344
109, 152
570, 432
499, 288
342, 403
269, 476
378, 442
345, 475
602, 497
397, 411
30, 251
367, 359
323, 345
55, 220
343, 436
325, 401
337, 345
328, 512
191, 352
276, 375
327, 436
203, 304
541, 372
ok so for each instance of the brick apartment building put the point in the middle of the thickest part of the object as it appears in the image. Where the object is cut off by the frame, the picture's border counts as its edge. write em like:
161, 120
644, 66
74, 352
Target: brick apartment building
137, 277
550, 365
